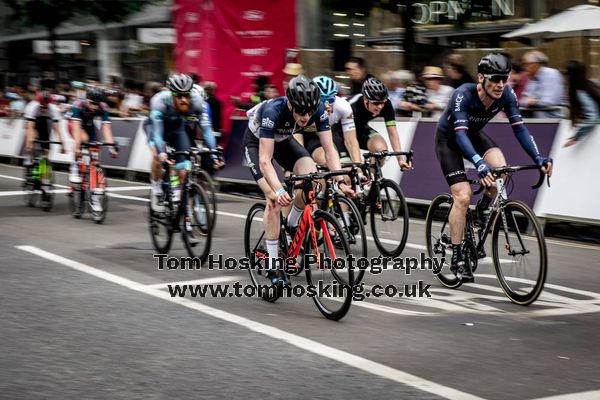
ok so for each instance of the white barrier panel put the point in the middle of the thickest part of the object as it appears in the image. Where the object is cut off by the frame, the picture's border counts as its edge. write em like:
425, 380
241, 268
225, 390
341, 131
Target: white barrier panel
12, 136
141, 156
406, 131
574, 190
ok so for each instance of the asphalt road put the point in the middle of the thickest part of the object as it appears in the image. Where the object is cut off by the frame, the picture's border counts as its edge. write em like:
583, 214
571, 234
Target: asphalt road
85, 314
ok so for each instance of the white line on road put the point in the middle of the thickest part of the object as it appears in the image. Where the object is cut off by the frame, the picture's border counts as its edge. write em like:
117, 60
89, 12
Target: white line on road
312, 346
591, 395
206, 281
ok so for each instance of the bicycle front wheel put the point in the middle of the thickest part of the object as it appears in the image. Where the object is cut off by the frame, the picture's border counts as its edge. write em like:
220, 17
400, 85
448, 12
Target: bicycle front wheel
98, 198
197, 240
330, 283
207, 183
437, 237
349, 218
389, 218
519, 251
160, 225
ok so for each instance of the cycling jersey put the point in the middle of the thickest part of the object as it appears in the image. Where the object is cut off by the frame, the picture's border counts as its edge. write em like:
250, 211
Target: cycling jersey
341, 121
362, 116
81, 112
272, 119
459, 129
42, 117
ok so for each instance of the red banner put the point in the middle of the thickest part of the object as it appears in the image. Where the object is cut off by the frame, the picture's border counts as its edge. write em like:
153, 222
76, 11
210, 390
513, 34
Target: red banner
234, 42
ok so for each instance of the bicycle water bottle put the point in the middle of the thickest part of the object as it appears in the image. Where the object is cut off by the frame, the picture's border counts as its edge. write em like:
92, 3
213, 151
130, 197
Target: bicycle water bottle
175, 188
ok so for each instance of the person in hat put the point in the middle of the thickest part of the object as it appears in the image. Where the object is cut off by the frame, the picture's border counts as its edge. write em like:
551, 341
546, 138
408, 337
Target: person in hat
438, 95
291, 70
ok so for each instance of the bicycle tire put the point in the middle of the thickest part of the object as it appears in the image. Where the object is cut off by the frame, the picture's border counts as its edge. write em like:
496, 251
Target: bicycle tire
200, 228
438, 244
99, 216
540, 278
358, 231
155, 221
207, 183
346, 288
400, 211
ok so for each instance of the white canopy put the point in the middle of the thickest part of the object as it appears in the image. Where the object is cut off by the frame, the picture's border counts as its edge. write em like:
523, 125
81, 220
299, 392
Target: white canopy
573, 21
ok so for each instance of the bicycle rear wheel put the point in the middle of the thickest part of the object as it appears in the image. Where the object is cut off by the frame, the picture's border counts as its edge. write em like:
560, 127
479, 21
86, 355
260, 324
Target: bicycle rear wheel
389, 218
330, 286
353, 228
437, 238
197, 241
519, 251
160, 225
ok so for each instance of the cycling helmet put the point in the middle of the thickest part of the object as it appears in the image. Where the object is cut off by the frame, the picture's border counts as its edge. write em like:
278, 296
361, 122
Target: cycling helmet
95, 94
180, 83
374, 90
494, 64
326, 86
43, 97
303, 94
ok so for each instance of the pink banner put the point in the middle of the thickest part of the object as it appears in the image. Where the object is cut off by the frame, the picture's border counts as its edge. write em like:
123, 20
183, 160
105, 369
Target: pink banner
234, 42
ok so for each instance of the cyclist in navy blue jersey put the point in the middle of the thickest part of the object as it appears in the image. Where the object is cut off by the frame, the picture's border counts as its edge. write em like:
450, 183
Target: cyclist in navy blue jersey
459, 134
269, 136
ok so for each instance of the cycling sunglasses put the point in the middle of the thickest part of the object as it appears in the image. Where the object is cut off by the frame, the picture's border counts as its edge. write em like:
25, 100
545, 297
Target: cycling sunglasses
497, 78
377, 103
179, 95
302, 114
329, 100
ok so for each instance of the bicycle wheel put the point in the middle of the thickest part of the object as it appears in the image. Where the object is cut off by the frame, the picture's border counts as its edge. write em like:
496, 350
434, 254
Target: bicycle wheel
437, 237
197, 241
389, 219
98, 199
207, 183
77, 202
29, 189
160, 225
329, 285
353, 228
254, 243
519, 251
47, 197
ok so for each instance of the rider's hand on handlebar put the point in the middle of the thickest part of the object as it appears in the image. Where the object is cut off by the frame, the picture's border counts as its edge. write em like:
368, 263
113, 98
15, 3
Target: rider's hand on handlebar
113, 152
346, 189
162, 157
404, 166
545, 164
218, 164
284, 199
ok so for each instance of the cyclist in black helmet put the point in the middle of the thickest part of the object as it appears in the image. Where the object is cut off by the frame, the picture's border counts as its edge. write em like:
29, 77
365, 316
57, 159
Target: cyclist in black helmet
459, 134
373, 103
269, 136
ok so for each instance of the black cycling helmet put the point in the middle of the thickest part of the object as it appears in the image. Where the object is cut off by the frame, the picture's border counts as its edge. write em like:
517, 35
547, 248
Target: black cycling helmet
494, 64
180, 83
374, 90
303, 94
95, 94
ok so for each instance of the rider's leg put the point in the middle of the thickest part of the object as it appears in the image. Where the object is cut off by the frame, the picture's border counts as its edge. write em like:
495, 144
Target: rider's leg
376, 143
461, 194
304, 165
495, 159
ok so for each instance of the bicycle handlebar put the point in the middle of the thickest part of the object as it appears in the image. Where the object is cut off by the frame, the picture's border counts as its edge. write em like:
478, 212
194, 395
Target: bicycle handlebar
497, 172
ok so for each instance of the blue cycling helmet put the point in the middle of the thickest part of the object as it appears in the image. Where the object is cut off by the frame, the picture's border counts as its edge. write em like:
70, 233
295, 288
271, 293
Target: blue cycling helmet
327, 87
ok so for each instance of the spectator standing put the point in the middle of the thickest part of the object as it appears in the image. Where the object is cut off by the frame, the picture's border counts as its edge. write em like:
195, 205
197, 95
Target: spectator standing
215, 104
357, 70
456, 74
438, 95
584, 99
544, 87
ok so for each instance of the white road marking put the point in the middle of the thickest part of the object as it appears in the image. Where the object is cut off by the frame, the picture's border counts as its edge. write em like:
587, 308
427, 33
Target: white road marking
591, 395
305, 344
206, 281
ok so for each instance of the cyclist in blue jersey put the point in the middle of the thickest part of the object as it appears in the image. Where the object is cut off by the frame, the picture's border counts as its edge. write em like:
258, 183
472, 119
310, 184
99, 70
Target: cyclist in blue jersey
459, 134
269, 136
171, 111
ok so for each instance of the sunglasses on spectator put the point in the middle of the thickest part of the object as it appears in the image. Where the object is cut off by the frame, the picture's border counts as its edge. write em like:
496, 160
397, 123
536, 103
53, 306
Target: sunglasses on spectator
179, 95
377, 103
497, 78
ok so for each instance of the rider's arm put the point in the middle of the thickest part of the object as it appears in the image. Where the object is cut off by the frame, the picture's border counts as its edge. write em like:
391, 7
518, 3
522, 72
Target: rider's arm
352, 145
460, 118
348, 128
56, 117
266, 148
324, 132
76, 127
205, 122
29, 115
519, 129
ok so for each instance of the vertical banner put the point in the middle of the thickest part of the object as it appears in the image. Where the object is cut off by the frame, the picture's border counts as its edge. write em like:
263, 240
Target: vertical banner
234, 42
